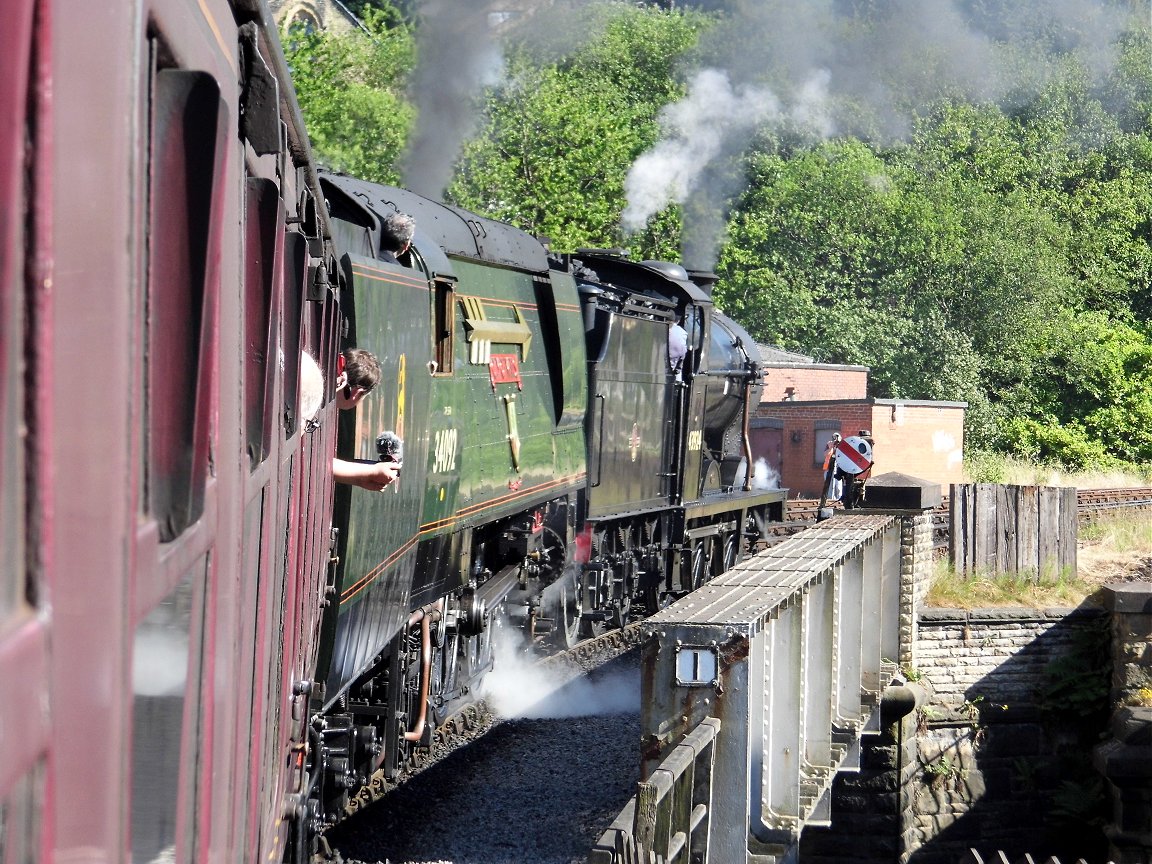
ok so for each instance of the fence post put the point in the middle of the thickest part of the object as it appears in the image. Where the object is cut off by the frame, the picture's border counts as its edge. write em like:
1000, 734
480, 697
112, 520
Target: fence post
1012, 529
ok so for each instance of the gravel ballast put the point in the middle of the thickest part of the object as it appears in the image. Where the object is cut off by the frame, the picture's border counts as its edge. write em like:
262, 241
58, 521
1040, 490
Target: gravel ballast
540, 787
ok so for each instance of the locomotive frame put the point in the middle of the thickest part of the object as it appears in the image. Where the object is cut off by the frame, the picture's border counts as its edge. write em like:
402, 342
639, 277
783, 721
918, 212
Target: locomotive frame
561, 475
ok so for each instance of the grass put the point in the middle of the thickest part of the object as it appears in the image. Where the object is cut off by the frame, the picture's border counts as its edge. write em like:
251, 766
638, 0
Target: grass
990, 590
981, 467
1113, 548
1116, 547
1122, 531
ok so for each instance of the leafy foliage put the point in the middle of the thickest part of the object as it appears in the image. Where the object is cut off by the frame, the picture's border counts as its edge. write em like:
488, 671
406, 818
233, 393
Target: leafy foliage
351, 91
560, 134
1000, 255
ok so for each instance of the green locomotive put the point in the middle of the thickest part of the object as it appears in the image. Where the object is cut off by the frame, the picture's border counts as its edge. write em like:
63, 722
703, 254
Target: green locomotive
574, 429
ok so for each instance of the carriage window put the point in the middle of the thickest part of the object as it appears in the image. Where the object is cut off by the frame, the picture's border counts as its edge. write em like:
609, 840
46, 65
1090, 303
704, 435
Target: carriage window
443, 310
295, 274
165, 673
19, 186
12, 436
264, 228
184, 196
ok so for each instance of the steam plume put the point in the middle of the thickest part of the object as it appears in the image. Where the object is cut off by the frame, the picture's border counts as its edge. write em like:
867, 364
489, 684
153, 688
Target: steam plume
457, 56
711, 120
830, 66
518, 689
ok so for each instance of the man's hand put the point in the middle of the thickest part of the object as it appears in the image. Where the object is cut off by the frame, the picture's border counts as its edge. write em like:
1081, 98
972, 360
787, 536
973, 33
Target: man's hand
373, 476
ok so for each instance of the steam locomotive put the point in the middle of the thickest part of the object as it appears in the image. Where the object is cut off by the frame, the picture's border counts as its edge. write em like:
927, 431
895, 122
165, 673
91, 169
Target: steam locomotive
564, 469
208, 647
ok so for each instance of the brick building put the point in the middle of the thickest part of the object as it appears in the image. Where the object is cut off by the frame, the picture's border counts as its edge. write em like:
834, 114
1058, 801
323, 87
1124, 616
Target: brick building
804, 403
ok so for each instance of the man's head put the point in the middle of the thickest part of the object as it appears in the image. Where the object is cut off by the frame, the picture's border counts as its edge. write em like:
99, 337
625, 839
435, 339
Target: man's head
396, 230
359, 375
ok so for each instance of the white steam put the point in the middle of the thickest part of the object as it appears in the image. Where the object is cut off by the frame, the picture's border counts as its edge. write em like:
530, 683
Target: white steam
713, 118
517, 688
764, 476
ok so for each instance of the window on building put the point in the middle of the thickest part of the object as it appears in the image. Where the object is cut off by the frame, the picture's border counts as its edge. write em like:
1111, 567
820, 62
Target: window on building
306, 22
821, 435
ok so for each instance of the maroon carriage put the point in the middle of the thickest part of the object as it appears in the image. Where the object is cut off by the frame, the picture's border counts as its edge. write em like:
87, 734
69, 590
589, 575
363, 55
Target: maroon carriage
166, 509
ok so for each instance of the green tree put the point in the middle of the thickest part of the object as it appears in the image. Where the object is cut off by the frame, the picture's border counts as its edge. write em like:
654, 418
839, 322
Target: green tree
938, 265
1088, 402
351, 92
839, 254
560, 135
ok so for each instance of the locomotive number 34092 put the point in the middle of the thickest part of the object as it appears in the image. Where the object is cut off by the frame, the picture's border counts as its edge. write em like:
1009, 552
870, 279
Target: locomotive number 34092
445, 450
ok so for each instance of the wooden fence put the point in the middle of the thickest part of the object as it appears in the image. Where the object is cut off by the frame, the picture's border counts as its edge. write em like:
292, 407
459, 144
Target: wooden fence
1027, 530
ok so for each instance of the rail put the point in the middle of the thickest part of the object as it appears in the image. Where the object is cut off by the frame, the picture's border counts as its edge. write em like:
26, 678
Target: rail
974, 857
1091, 502
1090, 505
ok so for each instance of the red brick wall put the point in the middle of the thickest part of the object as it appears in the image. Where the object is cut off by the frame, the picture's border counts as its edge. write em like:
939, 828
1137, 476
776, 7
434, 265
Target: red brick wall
921, 440
810, 382
802, 465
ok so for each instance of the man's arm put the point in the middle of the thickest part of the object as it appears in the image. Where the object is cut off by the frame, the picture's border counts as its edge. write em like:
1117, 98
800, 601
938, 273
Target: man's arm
373, 476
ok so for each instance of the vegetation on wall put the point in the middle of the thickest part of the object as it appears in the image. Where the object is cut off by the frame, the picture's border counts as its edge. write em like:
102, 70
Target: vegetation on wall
998, 253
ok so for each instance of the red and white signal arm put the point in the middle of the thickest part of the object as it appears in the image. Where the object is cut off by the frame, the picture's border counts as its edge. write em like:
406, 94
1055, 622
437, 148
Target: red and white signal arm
853, 455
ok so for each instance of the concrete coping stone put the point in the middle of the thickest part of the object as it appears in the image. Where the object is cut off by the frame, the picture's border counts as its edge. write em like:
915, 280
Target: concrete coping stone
1132, 725
1132, 598
1007, 614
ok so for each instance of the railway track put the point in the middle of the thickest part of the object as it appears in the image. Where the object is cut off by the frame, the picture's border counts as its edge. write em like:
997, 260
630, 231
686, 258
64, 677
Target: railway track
1090, 504
477, 719
468, 751
539, 787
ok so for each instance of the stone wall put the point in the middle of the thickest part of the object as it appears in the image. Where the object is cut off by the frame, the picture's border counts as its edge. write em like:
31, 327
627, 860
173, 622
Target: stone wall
1125, 760
916, 562
986, 746
1002, 747
997, 654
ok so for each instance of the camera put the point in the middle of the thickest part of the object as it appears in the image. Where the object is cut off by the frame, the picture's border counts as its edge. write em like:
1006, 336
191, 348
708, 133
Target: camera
390, 447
